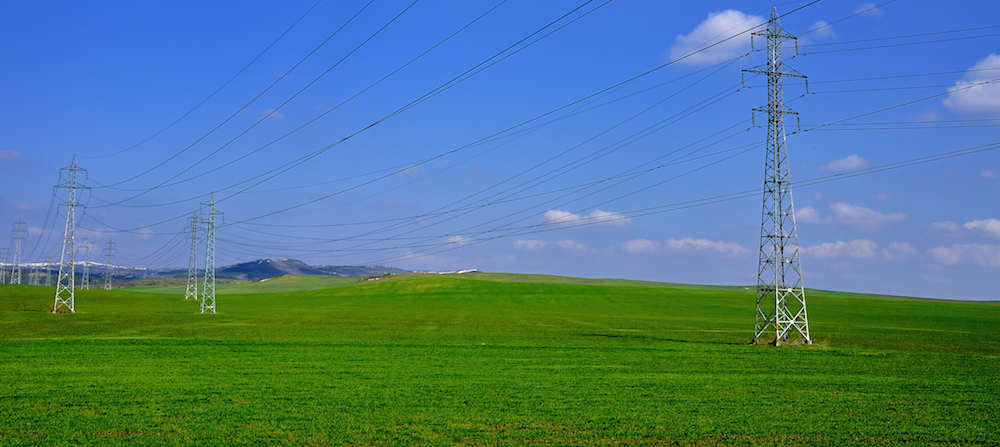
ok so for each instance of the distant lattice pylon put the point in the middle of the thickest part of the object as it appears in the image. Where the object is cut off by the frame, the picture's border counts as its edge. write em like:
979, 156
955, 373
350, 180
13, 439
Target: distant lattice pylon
17, 234
85, 279
192, 284
3, 265
109, 253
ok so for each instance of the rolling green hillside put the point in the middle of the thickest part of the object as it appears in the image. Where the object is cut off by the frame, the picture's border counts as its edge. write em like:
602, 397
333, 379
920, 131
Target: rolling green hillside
490, 359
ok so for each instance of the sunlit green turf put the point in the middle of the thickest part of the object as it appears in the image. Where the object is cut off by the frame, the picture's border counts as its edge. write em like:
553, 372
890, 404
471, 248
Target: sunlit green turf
490, 359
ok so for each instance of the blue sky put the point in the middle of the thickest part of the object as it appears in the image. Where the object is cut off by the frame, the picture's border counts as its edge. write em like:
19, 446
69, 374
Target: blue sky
573, 142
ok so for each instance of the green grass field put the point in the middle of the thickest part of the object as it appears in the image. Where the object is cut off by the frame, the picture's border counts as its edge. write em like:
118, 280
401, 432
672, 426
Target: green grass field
490, 359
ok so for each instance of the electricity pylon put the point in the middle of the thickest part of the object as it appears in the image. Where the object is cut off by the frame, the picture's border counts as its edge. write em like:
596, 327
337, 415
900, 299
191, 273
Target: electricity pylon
208, 287
33, 275
48, 271
192, 285
109, 253
15, 267
3, 265
85, 279
781, 300
65, 286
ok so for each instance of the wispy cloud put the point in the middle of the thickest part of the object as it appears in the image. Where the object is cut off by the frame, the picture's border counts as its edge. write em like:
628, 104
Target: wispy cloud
460, 240
412, 171
849, 215
977, 100
848, 163
859, 216
980, 254
868, 9
7, 155
597, 217
646, 246
822, 30
856, 249
946, 226
717, 27
990, 226
536, 245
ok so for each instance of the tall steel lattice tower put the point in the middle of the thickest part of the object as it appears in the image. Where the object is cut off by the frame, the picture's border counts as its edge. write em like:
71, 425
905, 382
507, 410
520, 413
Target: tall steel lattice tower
33, 275
85, 279
48, 271
65, 287
781, 300
208, 287
192, 286
17, 234
109, 255
3, 265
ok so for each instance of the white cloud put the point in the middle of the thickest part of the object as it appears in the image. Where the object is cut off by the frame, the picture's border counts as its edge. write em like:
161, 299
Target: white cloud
596, 217
529, 244
850, 215
145, 233
687, 245
988, 173
856, 249
946, 225
808, 214
24, 207
412, 171
570, 245
983, 255
849, 163
718, 26
977, 100
642, 246
272, 115
859, 216
898, 250
536, 245
886, 197
822, 29
868, 9
6, 155
460, 240
991, 226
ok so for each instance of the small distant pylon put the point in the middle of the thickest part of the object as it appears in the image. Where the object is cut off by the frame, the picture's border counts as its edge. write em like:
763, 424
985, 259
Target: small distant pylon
109, 253
48, 271
85, 279
781, 299
66, 285
208, 287
192, 285
15, 267
33, 275
3, 265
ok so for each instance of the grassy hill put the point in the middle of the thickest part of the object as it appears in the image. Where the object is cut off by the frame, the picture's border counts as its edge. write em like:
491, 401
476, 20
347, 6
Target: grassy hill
490, 359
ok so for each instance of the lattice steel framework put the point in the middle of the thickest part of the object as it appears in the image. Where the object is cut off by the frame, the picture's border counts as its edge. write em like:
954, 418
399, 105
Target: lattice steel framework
48, 271
109, 254
3, 264
208, 287
85, 279
17, 234
65, 286
192, 285
781, 300
33, 275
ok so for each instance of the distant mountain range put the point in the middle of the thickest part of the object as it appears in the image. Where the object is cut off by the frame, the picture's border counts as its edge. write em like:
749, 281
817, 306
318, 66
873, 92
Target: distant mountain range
247, 271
